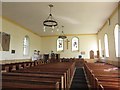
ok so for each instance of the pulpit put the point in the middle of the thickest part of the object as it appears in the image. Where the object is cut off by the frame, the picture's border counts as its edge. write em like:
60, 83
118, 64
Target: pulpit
46, 57
55, 57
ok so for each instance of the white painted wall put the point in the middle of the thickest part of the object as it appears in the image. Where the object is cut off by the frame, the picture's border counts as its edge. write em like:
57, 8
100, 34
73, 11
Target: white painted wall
86, 43
109, 30
17, 34
44, 44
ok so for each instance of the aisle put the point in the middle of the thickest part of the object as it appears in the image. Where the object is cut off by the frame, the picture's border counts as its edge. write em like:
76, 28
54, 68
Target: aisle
79, 80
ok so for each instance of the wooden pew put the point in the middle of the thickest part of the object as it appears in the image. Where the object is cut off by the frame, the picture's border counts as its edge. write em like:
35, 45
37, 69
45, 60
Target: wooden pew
49, 72
37, 79
24, 85
54, 68
99, 75
37, 76
62, 71
16, 66
32, 80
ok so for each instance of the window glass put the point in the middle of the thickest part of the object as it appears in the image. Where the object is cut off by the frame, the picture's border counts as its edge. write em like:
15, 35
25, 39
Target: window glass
59, 44
26, 45
100, 50
106, 45
75, 42
116, 32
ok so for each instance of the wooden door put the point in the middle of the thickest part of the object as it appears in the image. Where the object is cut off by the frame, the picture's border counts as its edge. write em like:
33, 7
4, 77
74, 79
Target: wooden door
91, 54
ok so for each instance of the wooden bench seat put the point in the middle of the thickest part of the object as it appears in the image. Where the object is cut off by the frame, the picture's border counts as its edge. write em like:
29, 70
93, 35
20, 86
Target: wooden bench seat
31, 78
54, 68
110, 85
18, 65
62, 73
100, 74
47, 76
40, 81
108, 79
46, 73
26, 75
31, 81
22, 85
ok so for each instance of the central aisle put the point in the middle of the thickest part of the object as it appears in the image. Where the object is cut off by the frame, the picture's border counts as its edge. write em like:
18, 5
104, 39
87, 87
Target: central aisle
79, 80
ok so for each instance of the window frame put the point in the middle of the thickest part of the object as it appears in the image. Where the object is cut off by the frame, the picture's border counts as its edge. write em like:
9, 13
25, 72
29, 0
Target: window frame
60, 47
73, 48
116, 41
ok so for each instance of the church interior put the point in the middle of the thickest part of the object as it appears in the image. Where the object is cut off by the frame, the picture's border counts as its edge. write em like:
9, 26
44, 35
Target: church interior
60, 45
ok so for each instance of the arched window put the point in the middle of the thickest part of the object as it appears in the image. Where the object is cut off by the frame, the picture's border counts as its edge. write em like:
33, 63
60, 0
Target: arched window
106, 45
116, 32
26, 45
100, 50
59, 44
75, 42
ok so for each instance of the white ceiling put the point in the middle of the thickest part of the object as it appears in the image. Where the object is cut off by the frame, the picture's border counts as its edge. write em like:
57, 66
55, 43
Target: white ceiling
76, 17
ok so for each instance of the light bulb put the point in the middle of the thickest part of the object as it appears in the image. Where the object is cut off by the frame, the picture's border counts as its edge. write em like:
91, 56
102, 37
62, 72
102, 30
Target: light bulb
44, 28
53, 27
57, 29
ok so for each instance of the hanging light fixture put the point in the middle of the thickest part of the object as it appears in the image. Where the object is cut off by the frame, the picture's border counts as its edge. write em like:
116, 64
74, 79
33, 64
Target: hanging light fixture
62, 35
50, 22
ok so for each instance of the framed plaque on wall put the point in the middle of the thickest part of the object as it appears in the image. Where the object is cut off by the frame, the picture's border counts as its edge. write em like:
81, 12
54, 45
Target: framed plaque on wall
5, 41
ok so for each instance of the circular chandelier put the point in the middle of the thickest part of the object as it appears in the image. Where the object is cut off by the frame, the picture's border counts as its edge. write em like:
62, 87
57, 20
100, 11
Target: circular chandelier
62, 35
50, 22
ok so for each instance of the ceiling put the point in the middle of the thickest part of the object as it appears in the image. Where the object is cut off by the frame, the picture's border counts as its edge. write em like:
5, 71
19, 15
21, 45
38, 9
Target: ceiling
76, 17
